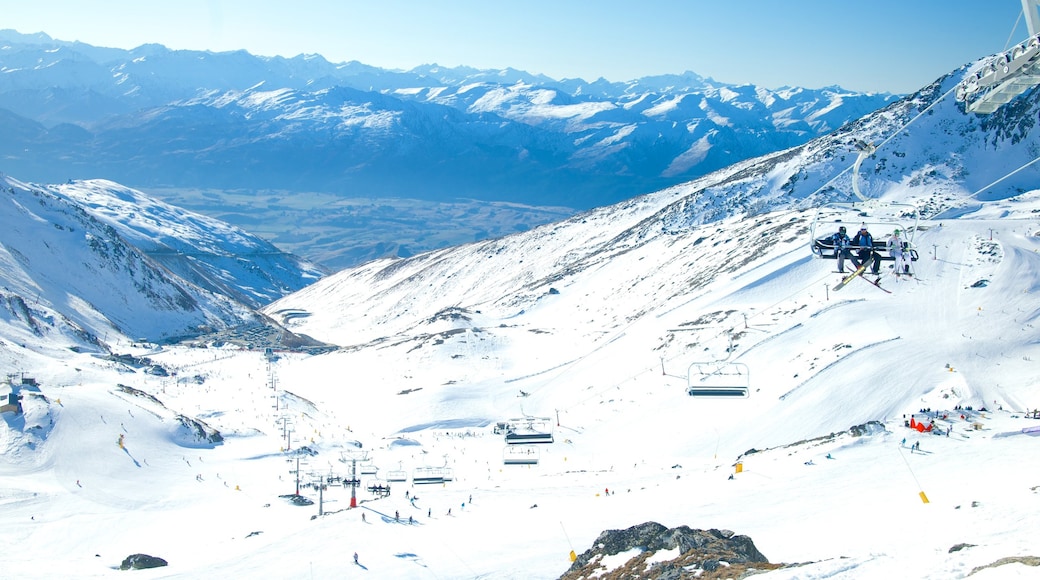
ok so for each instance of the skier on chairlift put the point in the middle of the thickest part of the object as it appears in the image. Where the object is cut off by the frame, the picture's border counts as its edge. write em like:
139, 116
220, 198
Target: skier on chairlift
895, 249
864, 244
840, 240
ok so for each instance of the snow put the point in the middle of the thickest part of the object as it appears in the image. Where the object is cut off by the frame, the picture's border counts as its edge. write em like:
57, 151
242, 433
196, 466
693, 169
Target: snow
613, 388
592, 326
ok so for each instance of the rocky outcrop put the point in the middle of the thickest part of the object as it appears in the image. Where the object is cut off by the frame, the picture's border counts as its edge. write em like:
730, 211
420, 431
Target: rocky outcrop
141, 562
702, 554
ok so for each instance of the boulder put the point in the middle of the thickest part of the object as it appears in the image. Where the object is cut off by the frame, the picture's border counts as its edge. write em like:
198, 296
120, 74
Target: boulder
141, 562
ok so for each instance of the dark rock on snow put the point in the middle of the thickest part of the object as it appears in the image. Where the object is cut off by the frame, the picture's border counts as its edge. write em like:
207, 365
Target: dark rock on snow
141, 562
699, 554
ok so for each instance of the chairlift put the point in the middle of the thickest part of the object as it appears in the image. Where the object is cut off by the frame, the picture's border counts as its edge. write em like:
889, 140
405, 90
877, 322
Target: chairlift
379, 487
423, 475
718, 380
529, 430
368, 468
396, 475
520, 455
881, 219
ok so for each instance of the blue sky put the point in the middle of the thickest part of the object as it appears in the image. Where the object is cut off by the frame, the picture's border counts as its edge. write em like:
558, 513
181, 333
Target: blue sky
882, 45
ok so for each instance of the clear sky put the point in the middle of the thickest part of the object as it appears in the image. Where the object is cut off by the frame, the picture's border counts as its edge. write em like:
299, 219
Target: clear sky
879, 45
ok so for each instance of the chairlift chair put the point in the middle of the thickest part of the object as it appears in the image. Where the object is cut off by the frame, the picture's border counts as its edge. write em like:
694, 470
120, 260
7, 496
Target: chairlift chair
529, 430
718, 380
520, 455
881, 218
396, 475
423, 475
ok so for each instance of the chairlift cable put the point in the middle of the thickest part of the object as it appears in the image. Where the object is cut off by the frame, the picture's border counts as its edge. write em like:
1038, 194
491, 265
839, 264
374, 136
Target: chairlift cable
617, 384
918, 116
1007, 42
859, 158
1027, 164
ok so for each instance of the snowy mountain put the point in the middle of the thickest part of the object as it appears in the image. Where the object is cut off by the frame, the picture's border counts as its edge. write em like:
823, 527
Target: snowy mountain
189, 119
599, 333
87, 259
206, 252
931, 156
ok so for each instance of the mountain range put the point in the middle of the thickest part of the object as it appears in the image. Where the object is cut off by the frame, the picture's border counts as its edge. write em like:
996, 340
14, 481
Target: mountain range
171, 122
205, 275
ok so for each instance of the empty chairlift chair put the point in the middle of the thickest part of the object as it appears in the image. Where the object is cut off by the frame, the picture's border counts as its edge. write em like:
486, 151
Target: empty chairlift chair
718, 380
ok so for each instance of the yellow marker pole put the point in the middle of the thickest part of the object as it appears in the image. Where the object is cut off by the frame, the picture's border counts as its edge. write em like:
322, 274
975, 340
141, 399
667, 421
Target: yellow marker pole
573, 556
924, 498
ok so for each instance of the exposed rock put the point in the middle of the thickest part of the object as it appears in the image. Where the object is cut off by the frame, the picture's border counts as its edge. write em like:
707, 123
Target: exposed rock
141, 562
296, 499
1024, 560
702, 554
200, 431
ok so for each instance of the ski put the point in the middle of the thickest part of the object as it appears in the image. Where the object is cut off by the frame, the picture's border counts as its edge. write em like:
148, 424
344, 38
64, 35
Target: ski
847, 279
877, 283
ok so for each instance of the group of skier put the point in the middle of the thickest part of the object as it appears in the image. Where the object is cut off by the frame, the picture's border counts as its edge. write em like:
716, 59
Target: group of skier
863, 246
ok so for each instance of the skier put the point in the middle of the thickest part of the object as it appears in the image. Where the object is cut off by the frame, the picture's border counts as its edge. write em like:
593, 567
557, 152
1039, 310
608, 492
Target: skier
895, 249
355, 558
840, 240
864, 242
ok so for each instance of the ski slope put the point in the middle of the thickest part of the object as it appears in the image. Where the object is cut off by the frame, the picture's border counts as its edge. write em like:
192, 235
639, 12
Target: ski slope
962, 332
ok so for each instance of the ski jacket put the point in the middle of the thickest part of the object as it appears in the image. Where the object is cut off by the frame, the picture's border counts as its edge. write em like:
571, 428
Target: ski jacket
840, 240
895, 246
865, 241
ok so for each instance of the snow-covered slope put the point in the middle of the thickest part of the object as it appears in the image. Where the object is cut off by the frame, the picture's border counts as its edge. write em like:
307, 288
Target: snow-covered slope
91, 258
594, 328
605, 363
207, 252
929, 154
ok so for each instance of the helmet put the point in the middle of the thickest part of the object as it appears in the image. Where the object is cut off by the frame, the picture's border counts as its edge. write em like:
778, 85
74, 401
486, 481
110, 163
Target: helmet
896, 232
841, 229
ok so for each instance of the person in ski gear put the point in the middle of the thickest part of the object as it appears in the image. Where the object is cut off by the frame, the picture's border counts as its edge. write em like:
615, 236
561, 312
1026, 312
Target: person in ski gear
895, 249
840, 240
864, 244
